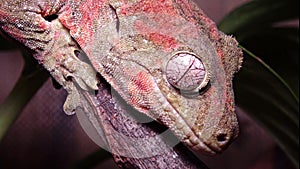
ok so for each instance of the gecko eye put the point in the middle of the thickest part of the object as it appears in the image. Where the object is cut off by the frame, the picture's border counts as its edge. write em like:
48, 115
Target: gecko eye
186, 72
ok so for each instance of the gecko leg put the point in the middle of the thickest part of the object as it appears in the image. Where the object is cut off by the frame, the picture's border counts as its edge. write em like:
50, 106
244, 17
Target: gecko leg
51, 44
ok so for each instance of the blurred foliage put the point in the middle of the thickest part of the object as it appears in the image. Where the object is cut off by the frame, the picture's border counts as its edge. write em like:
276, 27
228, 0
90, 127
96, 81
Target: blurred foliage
267, 87
31, 79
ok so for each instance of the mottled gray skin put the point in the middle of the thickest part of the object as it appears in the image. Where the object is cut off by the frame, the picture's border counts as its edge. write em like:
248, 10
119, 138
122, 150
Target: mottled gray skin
130, 43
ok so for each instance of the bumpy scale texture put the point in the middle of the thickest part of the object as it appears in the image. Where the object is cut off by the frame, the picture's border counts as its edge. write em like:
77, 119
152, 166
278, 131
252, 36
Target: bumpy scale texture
130, 42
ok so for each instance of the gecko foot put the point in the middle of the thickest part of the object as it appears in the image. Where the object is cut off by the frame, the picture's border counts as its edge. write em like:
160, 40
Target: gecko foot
62, 61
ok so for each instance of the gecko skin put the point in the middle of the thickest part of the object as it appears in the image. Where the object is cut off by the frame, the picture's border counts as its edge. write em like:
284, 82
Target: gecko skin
164, 57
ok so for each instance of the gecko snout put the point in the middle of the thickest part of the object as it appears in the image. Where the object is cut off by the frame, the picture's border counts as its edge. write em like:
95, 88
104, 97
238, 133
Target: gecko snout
223, 138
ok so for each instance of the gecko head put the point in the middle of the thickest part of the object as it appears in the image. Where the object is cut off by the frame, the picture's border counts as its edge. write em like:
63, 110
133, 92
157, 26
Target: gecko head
197, 84
177, 70
200, 91
188, 89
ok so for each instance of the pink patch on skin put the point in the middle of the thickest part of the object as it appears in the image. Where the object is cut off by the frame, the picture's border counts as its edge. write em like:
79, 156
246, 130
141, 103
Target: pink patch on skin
46, 10
141, 82
149, 6
89, 11
214, 33
44, 25
166, 42
161, 26
140, 86
220, 53
66, 19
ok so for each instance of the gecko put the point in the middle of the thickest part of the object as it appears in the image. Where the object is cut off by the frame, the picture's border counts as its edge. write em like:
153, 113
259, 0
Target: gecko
165, 58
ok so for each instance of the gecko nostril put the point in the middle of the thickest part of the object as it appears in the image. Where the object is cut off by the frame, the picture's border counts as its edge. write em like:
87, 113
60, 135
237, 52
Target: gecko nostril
222, 138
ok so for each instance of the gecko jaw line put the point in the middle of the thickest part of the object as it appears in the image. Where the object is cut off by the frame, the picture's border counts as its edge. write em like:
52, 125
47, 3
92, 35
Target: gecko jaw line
198, 146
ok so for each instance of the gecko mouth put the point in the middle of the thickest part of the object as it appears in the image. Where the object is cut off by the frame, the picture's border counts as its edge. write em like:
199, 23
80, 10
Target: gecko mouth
214, 142
209, 140
195, 142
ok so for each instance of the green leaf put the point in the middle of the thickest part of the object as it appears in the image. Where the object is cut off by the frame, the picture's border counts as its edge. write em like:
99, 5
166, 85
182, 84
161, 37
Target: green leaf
279, 48
258, 14
21, 94
273, 101
270, 103
30, 81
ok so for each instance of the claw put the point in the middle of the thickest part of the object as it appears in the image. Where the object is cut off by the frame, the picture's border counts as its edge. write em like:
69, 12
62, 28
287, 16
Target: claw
71, 103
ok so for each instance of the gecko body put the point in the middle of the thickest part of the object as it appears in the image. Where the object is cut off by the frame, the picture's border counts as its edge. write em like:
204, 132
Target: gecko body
165, 58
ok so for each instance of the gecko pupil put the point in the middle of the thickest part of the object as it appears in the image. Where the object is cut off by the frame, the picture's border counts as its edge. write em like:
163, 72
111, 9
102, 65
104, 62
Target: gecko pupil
185, 71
